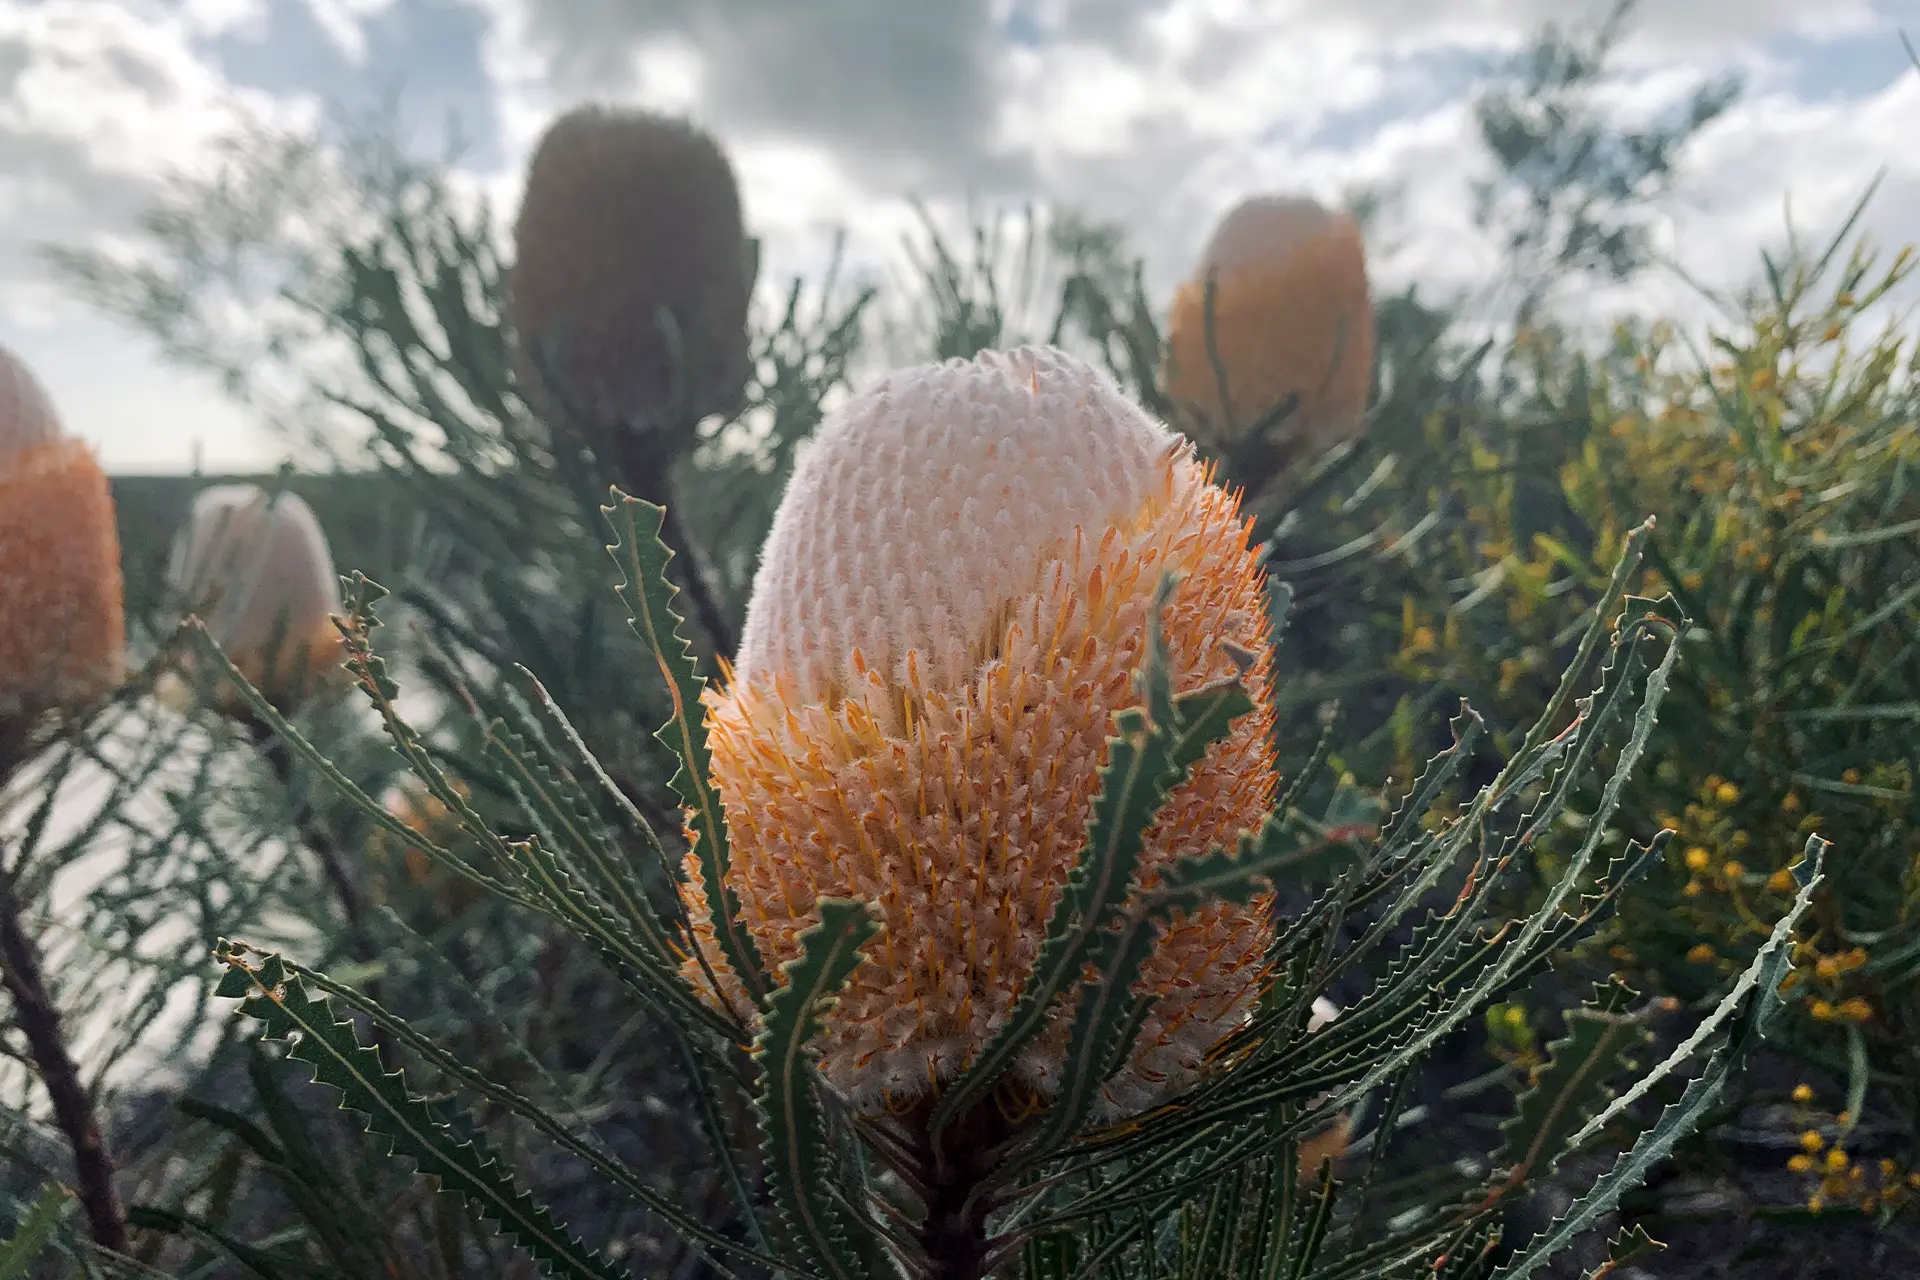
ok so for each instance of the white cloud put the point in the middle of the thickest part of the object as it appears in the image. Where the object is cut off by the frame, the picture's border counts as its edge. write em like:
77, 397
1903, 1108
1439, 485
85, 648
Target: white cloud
1160, 117
343, 22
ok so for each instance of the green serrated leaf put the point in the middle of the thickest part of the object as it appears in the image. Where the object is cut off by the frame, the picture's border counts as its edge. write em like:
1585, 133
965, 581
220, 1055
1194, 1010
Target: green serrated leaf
616, 1171
1759, 990
279, 1000
1630, 1245
642, 558
1575, 1084
792, 1125
1147, 758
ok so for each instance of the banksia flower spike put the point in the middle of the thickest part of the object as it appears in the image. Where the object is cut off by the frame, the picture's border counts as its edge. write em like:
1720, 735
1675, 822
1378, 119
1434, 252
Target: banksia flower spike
62, 616
255, 567
628, 215
1292, 317
27, 415
950, 609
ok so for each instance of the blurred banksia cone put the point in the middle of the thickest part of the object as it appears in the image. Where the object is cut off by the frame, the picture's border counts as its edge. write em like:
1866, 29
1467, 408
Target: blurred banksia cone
627, 214
428, 815
62, 616
255, 567
1292, 317
27, 415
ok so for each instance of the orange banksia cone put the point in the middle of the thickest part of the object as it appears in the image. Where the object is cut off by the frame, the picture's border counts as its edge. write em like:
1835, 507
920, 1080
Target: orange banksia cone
1292, 317
949, 611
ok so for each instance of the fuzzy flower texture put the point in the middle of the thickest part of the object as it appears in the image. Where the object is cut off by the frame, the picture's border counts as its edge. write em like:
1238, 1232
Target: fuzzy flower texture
949, 611
62, 621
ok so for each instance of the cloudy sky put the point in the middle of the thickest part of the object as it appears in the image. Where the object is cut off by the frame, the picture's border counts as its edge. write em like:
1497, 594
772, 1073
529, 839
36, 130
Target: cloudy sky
1156, 113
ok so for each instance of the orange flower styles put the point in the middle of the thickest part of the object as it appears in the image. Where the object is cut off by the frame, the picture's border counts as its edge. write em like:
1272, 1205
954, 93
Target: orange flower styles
949, 611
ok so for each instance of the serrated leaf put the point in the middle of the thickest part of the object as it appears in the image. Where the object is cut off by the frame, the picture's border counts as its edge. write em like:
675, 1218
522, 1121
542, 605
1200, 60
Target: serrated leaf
1146, 759
609, 1166
197, 635
793, 1127
642, 558
1630, 1245
278, 999
1759, 990
1575, 1084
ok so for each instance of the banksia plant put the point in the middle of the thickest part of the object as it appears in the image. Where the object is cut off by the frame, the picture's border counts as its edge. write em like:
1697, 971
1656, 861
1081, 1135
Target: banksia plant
973, 960
255, 567
1270, 343
62, 615
629, 290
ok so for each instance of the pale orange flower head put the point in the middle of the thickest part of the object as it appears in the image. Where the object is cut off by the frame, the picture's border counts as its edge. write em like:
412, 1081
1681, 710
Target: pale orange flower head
256, 568
950, 609
1292, 316
62, 615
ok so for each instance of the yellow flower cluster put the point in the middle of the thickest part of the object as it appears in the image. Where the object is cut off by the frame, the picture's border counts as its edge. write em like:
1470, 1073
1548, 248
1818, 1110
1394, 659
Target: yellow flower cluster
1835, 1179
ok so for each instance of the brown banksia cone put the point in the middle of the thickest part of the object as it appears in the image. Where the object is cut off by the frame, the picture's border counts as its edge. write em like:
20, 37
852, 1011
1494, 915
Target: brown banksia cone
256, 569
1292, 319
627, 215
62, 615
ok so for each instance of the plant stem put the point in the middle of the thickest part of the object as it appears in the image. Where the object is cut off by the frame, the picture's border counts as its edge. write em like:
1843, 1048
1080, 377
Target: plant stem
953, 1234
39, 1022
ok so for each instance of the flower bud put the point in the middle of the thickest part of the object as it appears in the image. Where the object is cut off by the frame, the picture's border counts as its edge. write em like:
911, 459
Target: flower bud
627, 215
256, 569
1292, 317
62, 616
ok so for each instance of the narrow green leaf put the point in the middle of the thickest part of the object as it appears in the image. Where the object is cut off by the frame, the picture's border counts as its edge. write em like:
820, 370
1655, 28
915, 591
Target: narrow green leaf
1575, 1084
616, 1171
1630, 1245
642, 558
792, 1125
198, 637
277, 998
1759, 989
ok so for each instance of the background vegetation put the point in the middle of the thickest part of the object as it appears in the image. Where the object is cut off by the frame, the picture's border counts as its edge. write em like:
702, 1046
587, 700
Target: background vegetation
1459, 549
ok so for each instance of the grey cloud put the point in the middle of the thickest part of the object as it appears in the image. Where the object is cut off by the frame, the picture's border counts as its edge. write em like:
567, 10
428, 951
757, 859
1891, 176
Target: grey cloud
905, 93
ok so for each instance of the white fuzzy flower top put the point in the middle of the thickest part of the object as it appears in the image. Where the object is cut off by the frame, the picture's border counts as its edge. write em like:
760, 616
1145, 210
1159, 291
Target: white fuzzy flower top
248, 559
928, 502
27, 415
